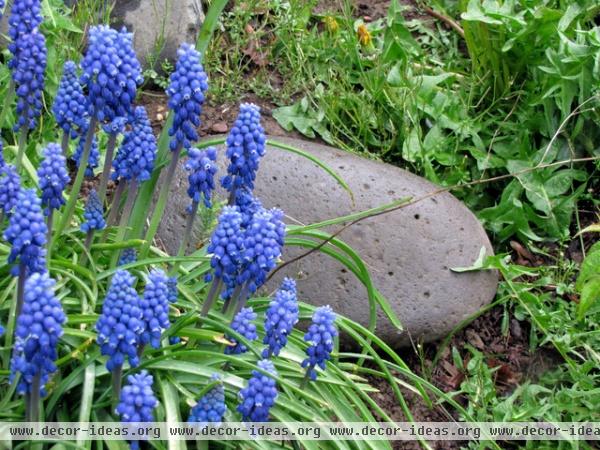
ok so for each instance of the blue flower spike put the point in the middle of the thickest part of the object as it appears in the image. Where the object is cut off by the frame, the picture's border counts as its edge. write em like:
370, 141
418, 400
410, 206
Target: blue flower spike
25, 16
70, 107
280, 318
10, 185
321, 334
136, 155
26, 233
263, 243
111, 73
211, 406
245, 147
28, 66
155, 308
257, 399
137, 401
93, 214
39, 328
173, 291
226, 246
186, 91
120, 325
242, 324
53, 177
128, 256
202, 168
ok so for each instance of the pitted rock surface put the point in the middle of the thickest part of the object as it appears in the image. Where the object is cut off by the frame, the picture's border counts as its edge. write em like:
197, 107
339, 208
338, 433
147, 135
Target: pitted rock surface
409, 252
159, 25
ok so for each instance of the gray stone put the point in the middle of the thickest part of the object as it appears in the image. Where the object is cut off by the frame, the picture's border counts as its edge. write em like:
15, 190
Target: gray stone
159, 25
409, 252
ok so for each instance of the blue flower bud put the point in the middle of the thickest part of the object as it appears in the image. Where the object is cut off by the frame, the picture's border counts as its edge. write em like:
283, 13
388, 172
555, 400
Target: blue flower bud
27, 67
242, 324
321, 334
226, 245
248, 205
245, 147
280, 318
120, 325
137, 401
27, 233
38, 330
25, 16
211, 406
53, 177
188, 84
116, 126
10, 185
173, 291
259, 396
263, 242
111, 73
155, 308
93, 214
70, 107
135, 158
128, 256
202, 168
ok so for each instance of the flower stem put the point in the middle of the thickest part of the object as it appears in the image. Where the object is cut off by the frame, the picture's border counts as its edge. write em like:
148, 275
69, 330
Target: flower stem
1, 216
64, 144
189, 228
33, 403
215, 290
110, 149
159, 209
122, 228
89, 237
23, 132
49, 221
73, 196
305, 380
21, 287
114, 208
116, 384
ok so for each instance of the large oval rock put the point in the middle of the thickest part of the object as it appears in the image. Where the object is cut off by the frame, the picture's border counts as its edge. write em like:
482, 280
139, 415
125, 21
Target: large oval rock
159, 26
409, 252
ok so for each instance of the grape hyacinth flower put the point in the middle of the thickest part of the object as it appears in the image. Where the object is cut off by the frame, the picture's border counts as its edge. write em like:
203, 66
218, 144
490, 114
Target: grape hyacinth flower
93, 214
280, 318
135, 157
111, 73
173, 291
10, 185
120, 325
289, 284
27, 235
25, 17
155, 308
320, 335
245, 147
28, 66
260, 394
188, 84
211, 406
53, 177
242, 324
128, 256
202, 167
137, 401
38, 330
248, 204
263, 242
70, 105
93, 157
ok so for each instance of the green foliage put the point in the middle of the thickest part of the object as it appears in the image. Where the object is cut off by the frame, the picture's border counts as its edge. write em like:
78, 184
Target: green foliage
588, 281
519, 92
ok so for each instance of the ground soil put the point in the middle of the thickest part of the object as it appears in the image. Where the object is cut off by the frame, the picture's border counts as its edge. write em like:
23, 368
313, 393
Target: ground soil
508, 352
